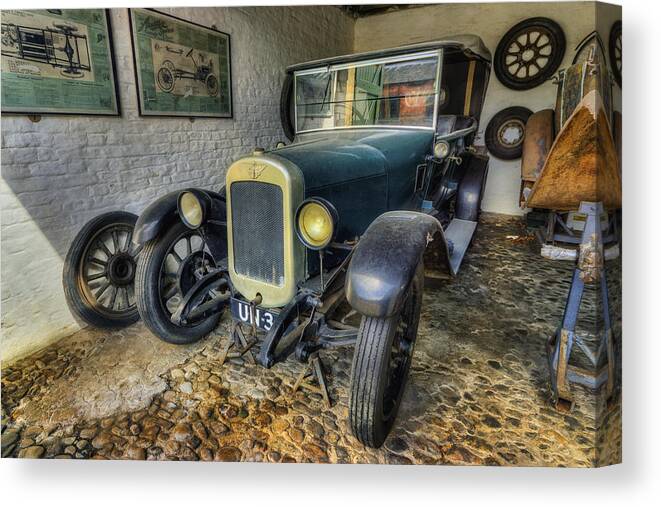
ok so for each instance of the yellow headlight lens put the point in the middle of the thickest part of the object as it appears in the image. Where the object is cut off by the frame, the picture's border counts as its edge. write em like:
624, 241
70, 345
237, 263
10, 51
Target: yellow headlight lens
191, 210
315, 224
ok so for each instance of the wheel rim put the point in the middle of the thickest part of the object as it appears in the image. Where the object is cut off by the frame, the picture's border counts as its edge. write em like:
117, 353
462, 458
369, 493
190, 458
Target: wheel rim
511, 133
401, 353
107, 270
528, 53
187, 260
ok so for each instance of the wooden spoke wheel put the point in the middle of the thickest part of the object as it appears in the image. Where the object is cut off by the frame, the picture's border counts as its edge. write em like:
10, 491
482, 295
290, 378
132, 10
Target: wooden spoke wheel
529, 53
168, 268
99, 271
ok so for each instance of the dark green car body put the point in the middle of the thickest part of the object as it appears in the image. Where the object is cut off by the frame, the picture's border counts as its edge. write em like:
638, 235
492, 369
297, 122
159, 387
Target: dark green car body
362, 172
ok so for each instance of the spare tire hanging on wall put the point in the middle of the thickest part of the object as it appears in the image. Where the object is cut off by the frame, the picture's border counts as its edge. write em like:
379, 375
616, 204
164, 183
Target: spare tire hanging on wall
506, 131
529, 53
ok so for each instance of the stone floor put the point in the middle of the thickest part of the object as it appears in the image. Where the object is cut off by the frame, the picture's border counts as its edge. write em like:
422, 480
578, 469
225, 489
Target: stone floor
478, 391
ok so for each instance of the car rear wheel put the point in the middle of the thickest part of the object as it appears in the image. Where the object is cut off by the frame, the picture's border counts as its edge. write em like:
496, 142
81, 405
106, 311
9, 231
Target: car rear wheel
167, 269
381, 364
99, 271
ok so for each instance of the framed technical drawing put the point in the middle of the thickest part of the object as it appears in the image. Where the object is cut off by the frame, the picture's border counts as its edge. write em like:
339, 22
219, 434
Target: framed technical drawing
182, 68
59, 62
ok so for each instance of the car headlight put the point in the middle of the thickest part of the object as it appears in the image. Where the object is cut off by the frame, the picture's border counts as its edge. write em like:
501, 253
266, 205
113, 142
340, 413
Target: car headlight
441, 149
316, 220
191, 209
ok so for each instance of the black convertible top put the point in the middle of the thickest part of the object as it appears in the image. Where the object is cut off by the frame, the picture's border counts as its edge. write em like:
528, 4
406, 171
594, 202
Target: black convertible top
470, 45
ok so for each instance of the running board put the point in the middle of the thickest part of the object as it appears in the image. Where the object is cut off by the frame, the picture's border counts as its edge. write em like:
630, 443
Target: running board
458, 236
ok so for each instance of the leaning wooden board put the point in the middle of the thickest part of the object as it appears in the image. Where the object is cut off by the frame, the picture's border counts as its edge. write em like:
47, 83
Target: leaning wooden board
582, 164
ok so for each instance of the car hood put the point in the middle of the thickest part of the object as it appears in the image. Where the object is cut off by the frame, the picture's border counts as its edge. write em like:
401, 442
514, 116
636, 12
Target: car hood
342, 156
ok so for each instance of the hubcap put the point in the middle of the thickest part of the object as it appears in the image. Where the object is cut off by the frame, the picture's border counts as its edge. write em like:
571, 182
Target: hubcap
121, 269
192, 268
511, 133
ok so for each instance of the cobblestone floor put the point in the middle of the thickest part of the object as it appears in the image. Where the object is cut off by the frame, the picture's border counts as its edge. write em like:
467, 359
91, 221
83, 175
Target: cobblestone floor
478, 391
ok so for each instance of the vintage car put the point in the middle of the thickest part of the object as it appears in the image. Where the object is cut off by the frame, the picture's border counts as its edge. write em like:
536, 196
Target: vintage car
320, 243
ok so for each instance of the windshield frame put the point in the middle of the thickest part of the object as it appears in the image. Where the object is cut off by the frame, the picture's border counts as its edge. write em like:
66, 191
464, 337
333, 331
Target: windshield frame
438, 53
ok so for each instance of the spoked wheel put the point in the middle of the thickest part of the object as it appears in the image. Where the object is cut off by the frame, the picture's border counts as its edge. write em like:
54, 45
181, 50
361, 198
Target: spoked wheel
99, 272
381, 363
168, 268
529, 53
165, 76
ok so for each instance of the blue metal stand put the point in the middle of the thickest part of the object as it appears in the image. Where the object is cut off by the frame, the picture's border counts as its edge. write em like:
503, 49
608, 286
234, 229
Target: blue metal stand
589, 270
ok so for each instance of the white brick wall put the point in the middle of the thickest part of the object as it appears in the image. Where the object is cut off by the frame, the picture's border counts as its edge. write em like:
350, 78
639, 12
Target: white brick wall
59, 173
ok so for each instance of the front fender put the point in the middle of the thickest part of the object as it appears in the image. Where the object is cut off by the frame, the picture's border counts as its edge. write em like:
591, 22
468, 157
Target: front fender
161, 213
156, 217
385, 260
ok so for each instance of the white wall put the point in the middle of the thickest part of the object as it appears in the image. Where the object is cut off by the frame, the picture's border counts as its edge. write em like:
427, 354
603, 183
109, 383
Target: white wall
63, 171
490, 21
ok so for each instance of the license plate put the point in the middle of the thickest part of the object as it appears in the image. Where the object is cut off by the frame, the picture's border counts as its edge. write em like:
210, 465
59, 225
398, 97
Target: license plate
241, 312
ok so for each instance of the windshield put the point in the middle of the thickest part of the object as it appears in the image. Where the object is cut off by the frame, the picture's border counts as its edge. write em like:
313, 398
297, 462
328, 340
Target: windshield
394, 92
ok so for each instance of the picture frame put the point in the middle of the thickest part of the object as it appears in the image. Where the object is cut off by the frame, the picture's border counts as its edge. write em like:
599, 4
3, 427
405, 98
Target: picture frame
59, 61
182, 68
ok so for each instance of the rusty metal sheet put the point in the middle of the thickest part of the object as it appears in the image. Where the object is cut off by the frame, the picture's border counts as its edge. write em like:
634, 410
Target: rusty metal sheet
582, 164
575, 83
537, 143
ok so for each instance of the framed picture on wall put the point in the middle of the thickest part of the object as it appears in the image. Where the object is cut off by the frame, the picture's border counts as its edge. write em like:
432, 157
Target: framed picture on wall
182, 68
58, 61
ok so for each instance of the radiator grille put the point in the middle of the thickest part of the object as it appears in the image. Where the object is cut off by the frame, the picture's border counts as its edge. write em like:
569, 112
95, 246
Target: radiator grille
258, 231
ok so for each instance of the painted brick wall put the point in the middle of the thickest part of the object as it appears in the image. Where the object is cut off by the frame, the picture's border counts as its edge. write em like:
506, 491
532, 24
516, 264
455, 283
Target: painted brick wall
59, 173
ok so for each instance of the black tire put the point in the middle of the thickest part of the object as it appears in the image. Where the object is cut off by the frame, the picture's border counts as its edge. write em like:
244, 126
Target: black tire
615, 51
372, 405
496, 135
287, 107
84, 276
149, 287
532, 53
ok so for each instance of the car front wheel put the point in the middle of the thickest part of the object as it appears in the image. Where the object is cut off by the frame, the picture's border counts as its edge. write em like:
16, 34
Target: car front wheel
168, 268
381, 363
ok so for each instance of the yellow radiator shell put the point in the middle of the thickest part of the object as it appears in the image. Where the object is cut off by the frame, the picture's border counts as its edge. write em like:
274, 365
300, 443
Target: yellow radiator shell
283, 173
